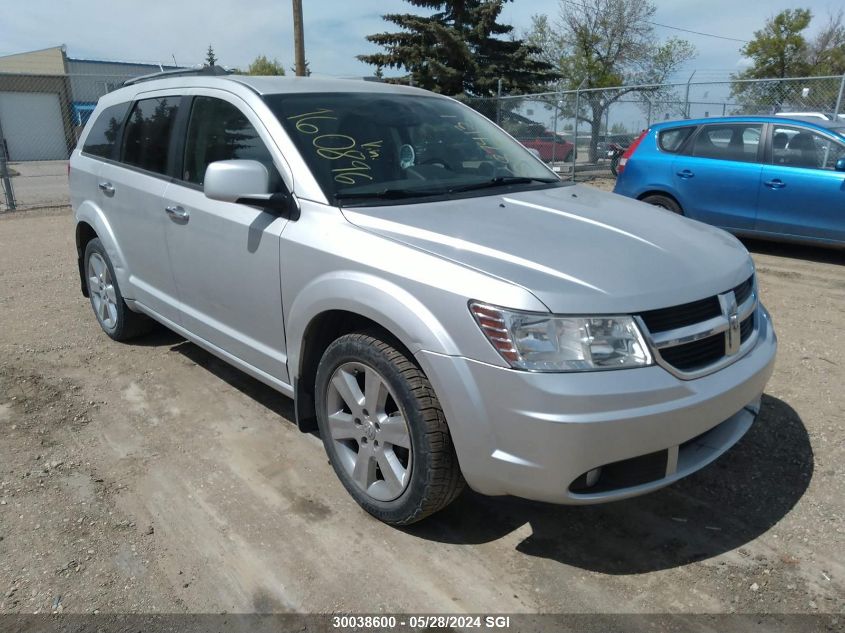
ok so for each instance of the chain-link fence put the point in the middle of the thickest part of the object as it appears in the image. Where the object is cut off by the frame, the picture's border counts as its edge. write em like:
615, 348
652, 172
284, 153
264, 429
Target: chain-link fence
41, 117
577, 132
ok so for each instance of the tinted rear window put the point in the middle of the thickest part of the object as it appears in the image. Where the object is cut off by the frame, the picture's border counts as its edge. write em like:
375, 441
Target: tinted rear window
736, 142
671, 140
147, 135
103, 137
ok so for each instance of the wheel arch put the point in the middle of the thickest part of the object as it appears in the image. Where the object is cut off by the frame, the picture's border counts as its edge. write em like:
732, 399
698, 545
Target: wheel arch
92, 223
330, 307
661, 192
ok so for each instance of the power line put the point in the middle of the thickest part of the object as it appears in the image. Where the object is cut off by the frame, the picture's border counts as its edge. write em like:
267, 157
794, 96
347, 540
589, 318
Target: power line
677, 28
674, 28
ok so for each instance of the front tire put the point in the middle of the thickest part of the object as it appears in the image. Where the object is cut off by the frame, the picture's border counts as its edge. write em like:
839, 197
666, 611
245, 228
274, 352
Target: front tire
664, 202
112, 313
384, 431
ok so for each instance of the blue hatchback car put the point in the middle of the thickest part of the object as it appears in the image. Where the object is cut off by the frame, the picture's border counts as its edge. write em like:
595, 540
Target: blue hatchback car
758, 176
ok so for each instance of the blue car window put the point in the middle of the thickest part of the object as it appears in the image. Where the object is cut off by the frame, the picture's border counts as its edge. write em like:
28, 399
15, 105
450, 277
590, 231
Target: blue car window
736, 141
799, 147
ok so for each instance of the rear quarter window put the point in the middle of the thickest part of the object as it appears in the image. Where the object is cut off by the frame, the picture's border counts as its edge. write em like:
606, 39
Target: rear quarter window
105, 133
671, 140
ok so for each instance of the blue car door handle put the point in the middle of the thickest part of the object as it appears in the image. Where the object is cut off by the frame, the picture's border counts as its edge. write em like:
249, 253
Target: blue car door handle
777, 183
685, 173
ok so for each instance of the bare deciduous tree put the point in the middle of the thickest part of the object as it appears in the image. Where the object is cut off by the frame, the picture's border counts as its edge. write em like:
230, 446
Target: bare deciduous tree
603, 44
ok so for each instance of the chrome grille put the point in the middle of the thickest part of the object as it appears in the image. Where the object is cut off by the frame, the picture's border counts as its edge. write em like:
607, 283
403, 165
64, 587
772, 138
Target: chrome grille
697, 338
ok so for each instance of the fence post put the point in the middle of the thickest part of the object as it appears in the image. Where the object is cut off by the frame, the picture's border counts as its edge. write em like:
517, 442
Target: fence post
575, 138
4, 175
686, 98
575, 132
554, 128
839, 99
499, 103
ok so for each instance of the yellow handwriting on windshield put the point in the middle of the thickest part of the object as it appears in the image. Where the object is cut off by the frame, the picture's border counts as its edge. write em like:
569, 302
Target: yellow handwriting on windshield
338, 147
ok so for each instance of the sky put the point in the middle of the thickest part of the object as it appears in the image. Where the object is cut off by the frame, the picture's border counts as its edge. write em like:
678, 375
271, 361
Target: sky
335, 30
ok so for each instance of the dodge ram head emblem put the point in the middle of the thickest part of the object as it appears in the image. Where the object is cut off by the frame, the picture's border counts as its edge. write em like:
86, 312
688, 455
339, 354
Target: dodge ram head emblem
732, 336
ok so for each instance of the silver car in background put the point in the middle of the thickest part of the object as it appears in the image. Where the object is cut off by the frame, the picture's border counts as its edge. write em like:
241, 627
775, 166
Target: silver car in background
437, 302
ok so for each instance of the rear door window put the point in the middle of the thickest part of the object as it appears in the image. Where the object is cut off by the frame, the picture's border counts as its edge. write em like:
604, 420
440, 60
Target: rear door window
735, 142
104, 135
146, 139
671, 140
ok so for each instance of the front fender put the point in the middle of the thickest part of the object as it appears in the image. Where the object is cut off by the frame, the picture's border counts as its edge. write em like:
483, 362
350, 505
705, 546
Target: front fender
377, 299
93, 215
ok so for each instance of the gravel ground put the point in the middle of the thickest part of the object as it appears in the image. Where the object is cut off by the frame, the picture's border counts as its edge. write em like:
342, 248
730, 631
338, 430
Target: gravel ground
152, 477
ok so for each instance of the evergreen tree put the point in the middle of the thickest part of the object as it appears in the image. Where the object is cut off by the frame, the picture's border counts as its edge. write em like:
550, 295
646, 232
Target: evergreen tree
210, 57
461, 49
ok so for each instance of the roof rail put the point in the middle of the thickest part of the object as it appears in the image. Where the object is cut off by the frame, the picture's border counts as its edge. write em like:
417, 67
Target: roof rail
205, 71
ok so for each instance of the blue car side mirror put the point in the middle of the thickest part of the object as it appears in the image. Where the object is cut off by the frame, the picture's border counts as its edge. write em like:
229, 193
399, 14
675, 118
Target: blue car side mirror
840, 164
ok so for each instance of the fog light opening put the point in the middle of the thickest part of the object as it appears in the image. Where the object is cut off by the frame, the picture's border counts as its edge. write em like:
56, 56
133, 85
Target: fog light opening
592, 477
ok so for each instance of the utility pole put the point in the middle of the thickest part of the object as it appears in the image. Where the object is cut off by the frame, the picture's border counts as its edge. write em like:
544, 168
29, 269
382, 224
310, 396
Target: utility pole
298, 38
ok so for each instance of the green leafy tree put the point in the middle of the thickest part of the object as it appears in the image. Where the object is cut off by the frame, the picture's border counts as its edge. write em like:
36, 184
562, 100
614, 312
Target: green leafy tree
460, 49
261, 65
598, 44
781, 50
210, 57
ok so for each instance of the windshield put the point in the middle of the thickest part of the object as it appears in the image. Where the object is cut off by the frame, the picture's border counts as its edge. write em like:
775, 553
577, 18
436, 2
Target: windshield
370, 146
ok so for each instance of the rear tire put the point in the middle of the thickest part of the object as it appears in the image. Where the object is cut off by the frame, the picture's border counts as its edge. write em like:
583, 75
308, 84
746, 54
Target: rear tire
384, 431
111, 311
664, 202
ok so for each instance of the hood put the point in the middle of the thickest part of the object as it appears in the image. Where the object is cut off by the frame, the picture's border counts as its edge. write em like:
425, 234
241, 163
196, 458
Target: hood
577, 249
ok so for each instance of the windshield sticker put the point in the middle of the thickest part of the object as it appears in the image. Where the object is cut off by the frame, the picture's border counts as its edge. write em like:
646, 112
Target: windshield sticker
352, 156
481, 141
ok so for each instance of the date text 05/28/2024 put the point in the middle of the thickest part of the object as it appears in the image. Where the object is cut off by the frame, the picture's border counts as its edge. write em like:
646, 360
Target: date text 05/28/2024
421, 621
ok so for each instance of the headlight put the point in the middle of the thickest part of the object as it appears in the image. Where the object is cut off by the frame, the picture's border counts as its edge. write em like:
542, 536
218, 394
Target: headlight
545, 342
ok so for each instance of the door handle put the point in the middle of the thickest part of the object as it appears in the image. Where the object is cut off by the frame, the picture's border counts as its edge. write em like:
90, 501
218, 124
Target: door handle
177, 213
685, 173
107, 188
777, 183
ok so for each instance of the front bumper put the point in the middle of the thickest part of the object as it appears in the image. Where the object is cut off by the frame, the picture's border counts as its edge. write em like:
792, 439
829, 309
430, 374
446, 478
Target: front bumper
536, 435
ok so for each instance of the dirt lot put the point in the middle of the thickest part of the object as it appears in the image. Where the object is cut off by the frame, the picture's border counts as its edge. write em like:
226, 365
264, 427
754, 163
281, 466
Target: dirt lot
153, 478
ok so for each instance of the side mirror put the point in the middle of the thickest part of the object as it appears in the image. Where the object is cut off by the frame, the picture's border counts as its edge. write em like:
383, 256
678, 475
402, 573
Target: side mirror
246, 182
840, 164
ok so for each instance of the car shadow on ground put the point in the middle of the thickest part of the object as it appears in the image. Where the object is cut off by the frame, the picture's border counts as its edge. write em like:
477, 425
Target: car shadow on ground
728, 504
815, 254
249, 386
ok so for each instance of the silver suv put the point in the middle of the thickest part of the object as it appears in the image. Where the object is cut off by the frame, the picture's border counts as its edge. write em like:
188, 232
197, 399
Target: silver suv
441, 307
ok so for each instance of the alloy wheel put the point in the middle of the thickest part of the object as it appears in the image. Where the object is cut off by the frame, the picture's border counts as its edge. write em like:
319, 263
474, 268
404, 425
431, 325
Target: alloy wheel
369, 431
101, 289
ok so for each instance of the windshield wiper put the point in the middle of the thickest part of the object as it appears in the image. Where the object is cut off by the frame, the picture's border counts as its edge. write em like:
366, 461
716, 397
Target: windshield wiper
501, 180
386, 194
396, 194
